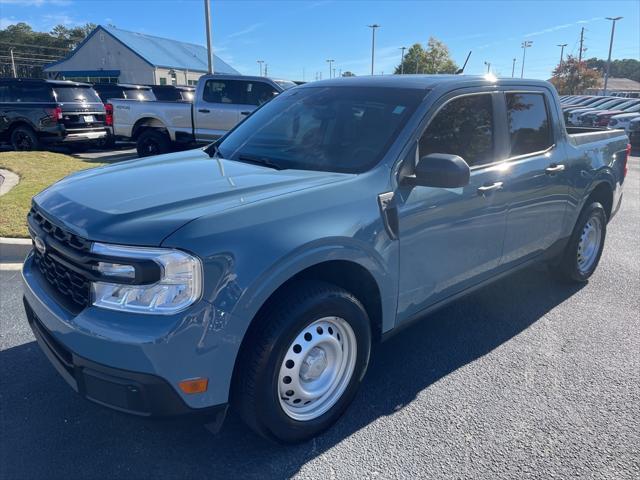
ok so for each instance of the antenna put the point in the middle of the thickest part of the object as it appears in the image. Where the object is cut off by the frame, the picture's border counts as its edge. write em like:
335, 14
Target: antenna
461, 71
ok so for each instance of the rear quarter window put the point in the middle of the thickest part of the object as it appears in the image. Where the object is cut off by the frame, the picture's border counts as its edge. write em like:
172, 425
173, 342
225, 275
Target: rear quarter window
32, 92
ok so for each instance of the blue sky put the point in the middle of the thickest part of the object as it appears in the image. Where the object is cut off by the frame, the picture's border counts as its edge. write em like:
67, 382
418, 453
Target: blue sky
297, 36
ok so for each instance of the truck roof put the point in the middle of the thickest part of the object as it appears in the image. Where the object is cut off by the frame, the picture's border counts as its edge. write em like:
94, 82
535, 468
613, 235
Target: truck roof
425, 82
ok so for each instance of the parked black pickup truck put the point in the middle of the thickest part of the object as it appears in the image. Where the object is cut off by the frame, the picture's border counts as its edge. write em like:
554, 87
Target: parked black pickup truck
35, 113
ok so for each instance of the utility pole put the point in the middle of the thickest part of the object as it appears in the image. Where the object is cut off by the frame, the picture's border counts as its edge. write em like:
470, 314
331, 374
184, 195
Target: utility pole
488, 64
513, 68
207, 22
303, 74
562, 45
330, 62
334, 72
260, 62
266, 67
581, 42
373, 43
13, 64
526, 44
613, 29
402, 60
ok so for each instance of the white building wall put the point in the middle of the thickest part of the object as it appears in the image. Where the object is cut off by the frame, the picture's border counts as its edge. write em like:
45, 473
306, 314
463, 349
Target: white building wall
182, 76
103, 52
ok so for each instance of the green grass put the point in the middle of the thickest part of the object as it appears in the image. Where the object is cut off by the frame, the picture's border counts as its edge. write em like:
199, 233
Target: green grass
37, 170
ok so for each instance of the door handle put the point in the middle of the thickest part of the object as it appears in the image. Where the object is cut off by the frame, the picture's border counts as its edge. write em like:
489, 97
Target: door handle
204, 110
487, 189
246, 112
554, 169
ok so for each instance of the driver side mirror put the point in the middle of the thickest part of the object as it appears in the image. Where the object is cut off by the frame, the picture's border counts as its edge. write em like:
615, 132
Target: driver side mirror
440, 170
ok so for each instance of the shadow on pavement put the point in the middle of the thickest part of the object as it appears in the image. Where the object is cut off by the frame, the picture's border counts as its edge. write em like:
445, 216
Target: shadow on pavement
48, 431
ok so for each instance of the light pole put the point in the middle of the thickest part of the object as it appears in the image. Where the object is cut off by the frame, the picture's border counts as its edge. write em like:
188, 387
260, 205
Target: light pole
13, 64
513, 67
207, 22
488, 64
613, 29
373, 43
330, 62
402, 60
526, 44
260, 62
562, 45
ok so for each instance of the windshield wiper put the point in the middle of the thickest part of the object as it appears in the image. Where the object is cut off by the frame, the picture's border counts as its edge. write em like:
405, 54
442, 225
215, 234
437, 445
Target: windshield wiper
262, 161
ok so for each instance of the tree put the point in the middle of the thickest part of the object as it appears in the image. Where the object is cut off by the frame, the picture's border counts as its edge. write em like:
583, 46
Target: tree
348, 74
435, 59
625, 68
33, 50
572, 77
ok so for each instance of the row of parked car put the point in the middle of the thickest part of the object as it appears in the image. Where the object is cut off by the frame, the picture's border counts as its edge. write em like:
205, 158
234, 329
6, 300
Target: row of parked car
612, 112
37, 113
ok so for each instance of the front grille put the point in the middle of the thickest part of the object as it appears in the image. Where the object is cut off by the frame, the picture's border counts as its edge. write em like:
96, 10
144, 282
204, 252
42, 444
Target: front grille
58, 263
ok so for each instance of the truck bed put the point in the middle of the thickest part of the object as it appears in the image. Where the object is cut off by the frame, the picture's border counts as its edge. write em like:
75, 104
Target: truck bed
584, 135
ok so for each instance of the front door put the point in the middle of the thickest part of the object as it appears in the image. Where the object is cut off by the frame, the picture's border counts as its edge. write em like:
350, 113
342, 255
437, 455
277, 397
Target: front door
451, 239
218, 110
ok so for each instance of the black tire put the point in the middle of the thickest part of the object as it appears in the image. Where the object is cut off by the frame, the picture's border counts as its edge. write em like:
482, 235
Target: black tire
24, 139
255, 392
106, 143
153, 142
568, 268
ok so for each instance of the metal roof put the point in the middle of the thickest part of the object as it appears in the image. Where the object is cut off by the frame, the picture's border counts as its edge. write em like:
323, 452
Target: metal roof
160, 52
164, 52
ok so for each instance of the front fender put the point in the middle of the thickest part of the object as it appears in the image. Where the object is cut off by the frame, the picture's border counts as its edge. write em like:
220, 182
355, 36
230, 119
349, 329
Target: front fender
315, 253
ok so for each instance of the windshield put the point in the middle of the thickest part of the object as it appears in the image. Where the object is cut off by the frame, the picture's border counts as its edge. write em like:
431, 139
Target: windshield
76, 94
139, 94
285, 84
627, 104
338, 129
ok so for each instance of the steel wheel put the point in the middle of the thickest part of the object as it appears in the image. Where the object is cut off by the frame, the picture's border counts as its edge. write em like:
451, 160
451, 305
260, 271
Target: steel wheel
317, 368
589, 244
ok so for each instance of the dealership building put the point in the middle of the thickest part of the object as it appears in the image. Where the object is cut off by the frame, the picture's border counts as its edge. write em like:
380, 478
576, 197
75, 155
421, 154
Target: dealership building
112, 55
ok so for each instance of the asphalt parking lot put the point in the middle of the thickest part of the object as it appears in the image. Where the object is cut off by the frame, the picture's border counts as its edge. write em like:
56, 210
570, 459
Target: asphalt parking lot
525, 378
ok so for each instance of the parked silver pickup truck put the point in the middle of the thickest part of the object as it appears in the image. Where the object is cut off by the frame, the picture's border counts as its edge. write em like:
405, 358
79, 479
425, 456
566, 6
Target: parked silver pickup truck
221, 102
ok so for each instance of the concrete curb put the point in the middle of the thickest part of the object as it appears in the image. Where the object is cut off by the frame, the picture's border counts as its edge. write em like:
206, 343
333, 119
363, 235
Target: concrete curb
14, 250
8, 180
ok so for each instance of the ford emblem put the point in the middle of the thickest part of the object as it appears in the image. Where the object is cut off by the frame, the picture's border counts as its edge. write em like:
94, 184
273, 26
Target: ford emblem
40, 245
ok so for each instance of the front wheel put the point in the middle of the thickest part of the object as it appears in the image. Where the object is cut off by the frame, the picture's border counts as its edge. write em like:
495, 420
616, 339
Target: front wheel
302, 365
582, 253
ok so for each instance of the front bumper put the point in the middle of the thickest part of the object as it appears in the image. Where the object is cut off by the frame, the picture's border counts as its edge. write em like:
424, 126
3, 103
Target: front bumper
129, 392
131, 363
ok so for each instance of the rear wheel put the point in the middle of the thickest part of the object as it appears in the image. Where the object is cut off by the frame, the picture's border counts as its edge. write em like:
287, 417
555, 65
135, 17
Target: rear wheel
152, 142
301, 367
24, 139
582, 253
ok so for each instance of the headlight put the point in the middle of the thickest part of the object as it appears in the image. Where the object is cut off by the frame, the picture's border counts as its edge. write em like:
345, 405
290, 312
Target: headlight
179, 286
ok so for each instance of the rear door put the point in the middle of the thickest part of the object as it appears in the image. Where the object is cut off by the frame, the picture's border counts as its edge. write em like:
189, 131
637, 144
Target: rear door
537, 192
218, 111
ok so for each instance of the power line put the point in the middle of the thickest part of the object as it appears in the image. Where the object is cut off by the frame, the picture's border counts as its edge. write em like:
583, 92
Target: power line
34, 46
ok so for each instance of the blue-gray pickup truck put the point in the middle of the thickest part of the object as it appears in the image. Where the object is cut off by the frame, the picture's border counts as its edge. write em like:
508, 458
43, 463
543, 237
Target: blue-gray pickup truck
257, 272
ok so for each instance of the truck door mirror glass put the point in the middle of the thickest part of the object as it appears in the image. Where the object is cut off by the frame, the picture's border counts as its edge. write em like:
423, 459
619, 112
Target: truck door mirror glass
440, 170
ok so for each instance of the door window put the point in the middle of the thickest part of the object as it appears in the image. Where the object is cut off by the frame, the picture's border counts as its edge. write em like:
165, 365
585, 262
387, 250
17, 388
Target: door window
463, 127
257, 93
528, 122
223, 91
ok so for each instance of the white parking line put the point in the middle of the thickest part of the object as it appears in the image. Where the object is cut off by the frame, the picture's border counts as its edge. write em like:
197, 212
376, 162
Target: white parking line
7, 267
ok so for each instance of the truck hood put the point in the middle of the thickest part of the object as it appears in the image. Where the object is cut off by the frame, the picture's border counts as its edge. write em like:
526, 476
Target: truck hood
141, 202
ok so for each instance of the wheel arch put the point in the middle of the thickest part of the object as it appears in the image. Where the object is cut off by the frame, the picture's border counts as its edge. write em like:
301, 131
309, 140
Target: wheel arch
148, 122
602, 192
